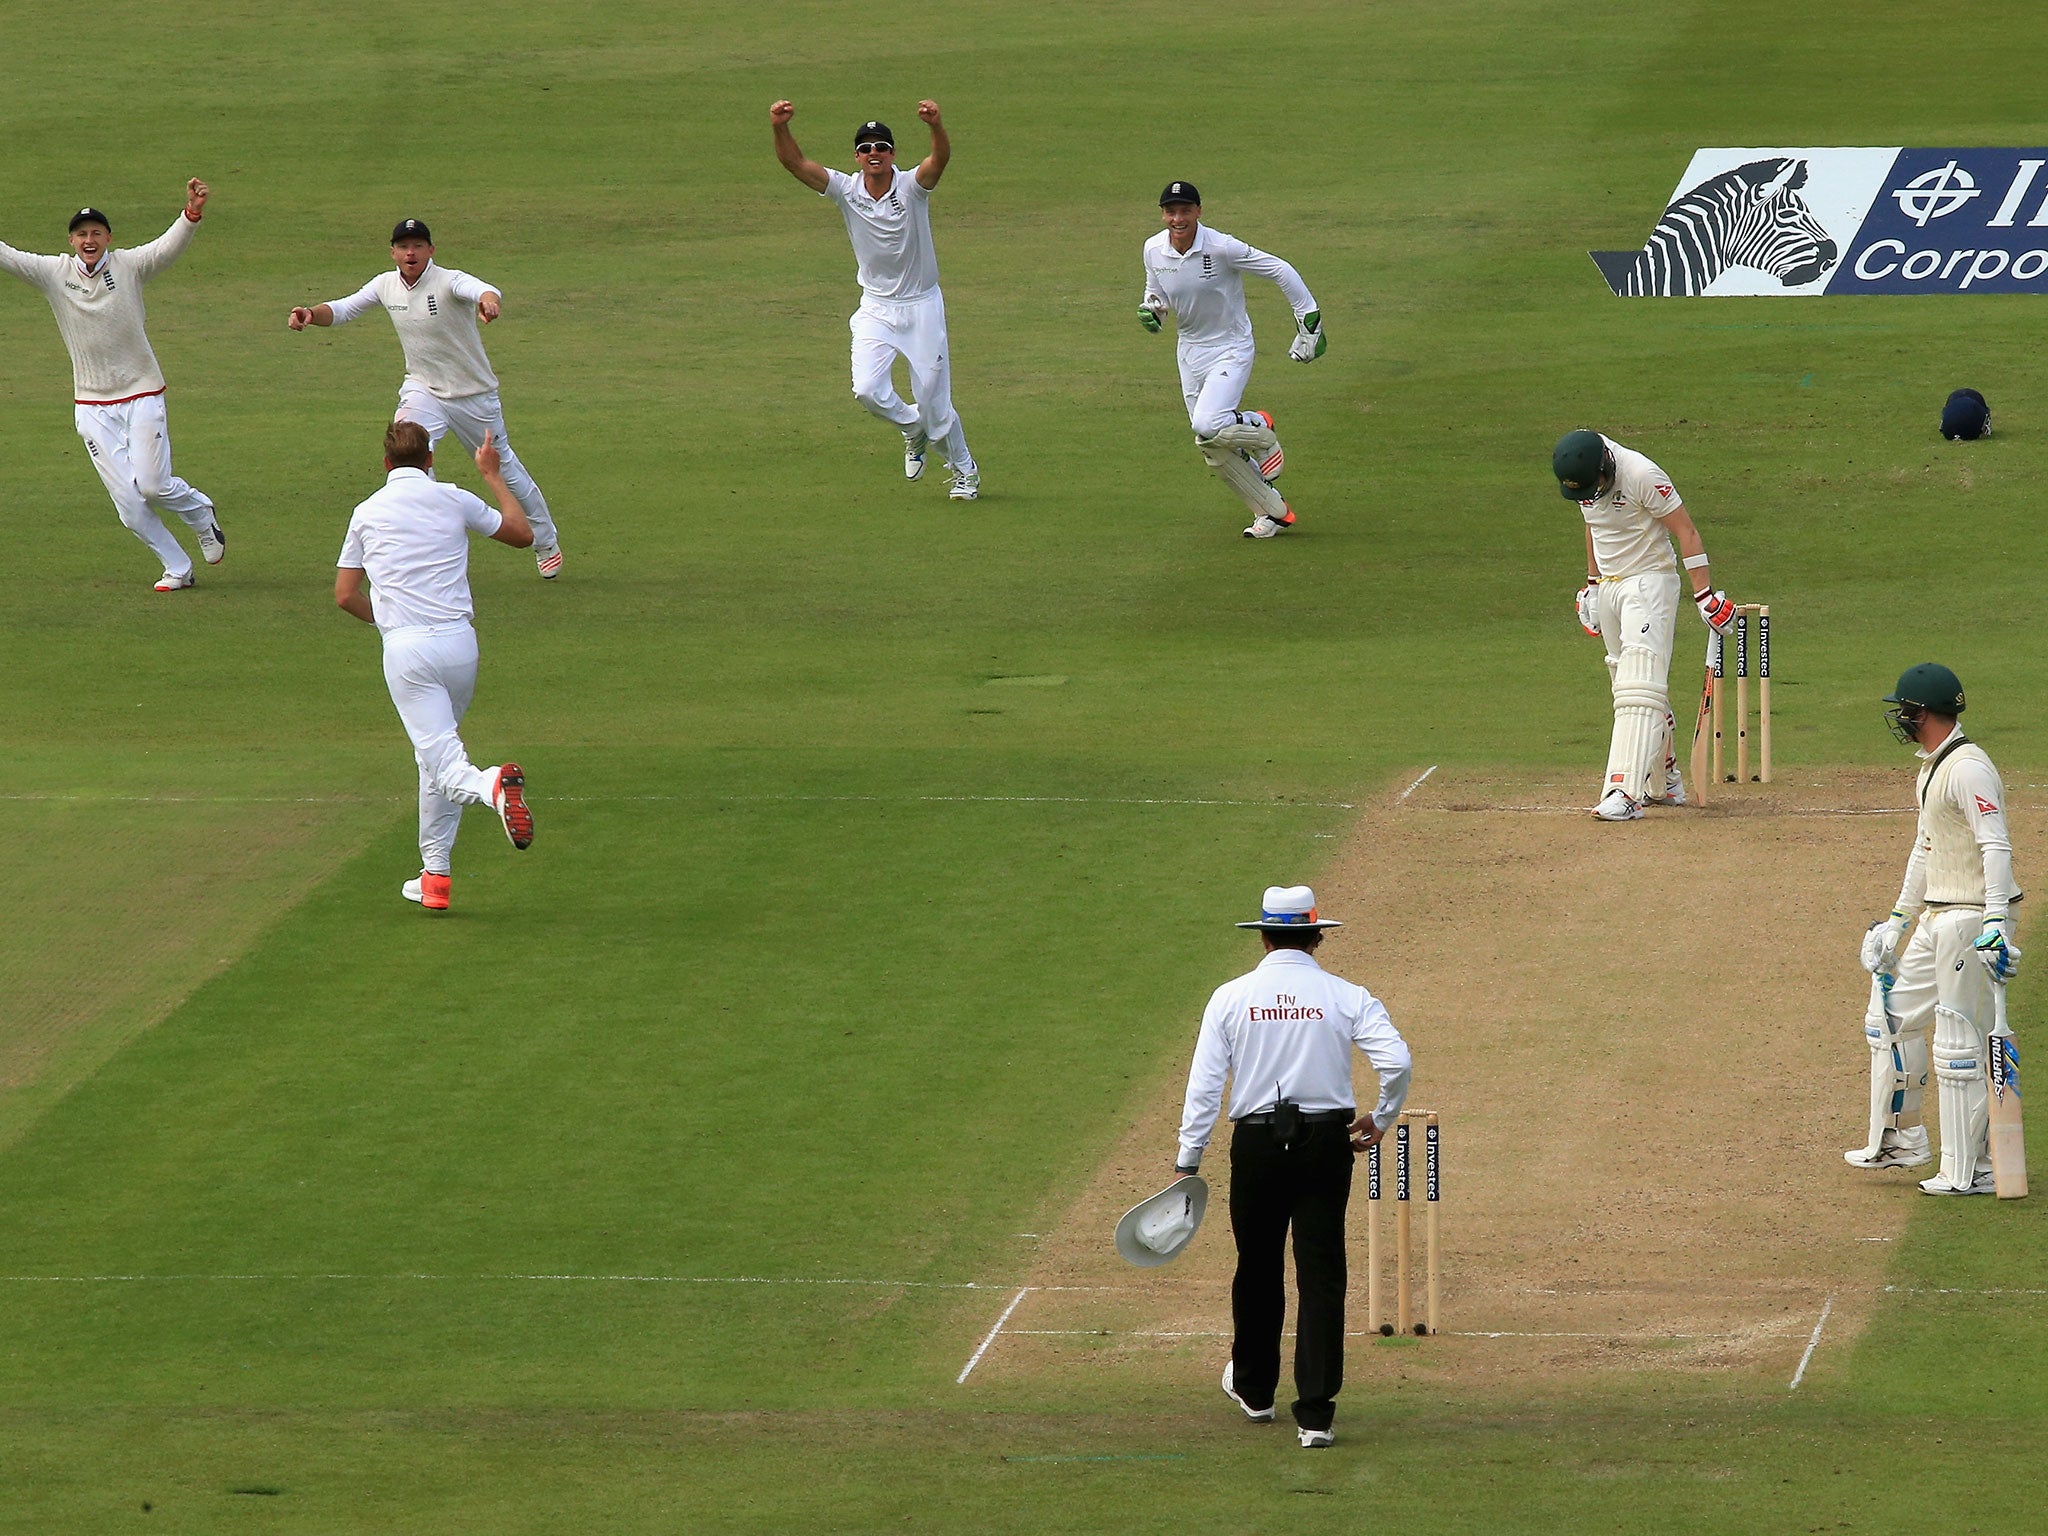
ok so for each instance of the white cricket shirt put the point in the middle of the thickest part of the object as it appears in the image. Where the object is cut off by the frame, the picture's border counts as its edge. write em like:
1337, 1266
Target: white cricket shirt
100, 313
412, 538
1962, 853
436, 323
1629, 536
891, 234
1205, 285
1286, 1031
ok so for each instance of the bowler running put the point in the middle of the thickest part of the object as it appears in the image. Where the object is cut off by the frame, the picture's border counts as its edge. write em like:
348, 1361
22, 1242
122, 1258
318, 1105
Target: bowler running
117, 387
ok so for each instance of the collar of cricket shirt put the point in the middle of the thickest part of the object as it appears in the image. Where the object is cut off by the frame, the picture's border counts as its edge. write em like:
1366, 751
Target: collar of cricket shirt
409, 286
97, 267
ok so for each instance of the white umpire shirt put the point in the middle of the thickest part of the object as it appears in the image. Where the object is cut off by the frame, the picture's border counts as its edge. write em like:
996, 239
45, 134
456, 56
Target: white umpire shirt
412, 539
891, 234
1286, 1031
436, 323
1204, 285
1629, 536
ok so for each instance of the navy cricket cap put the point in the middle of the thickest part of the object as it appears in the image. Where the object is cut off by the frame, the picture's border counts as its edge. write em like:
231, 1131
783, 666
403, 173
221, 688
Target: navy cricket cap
1180, 192
872, 132
411, 229
1966, 417
90, 216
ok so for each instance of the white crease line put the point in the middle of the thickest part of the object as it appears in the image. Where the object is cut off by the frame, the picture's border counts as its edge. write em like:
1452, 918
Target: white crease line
306, 1279
968, 1369
1944, 1290
1355, 1333
1586, 810
1811, 1344
1432, 768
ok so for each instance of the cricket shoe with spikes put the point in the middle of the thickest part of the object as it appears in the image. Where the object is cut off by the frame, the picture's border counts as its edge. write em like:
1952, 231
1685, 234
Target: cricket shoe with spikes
428, 889
508, 799
1983, 1184
1900, 1149
966, 485
170, 583
213, 544
914, 445
1617, 806
1264, 527
548, 561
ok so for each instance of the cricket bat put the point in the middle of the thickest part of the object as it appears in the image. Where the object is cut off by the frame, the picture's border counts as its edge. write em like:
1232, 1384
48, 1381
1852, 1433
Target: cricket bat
2008, 1135
1699, 727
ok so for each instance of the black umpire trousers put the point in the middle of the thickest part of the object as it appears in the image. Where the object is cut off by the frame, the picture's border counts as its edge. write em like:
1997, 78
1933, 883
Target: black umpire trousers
1272, 1189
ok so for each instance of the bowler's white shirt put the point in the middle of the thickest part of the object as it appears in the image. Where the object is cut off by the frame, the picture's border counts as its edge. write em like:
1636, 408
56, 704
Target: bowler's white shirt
1286, 1031
412, 538
891, 234
1204, 285
436, 323
1629, 536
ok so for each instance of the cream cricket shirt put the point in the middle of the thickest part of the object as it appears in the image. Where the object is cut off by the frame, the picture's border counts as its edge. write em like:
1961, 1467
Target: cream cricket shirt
1286, 1031
891, 234
436, 323
1962, 855
1205, 286
1629, 537
412, 539
100, 313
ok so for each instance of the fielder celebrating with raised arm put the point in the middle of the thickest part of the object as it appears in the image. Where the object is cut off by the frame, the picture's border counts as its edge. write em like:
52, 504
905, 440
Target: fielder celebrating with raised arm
1283, 1034
117, 387
1198, 274
1630, 602
902, 313
411, 541
1959, 882
449, 384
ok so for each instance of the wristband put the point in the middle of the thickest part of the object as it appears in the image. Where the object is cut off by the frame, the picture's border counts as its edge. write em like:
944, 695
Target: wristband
1696, 562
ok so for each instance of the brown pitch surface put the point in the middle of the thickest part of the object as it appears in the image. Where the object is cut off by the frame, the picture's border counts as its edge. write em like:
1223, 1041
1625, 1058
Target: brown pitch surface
1646, 1045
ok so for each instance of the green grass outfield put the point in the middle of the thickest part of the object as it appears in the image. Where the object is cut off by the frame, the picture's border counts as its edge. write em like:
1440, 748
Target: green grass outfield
886, 844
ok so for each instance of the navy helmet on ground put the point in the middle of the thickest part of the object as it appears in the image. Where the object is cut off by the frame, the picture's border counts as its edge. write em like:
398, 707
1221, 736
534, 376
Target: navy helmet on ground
1966, 417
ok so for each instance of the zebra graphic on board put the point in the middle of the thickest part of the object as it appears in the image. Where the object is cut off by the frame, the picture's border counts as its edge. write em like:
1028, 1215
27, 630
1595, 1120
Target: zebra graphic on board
1752, 216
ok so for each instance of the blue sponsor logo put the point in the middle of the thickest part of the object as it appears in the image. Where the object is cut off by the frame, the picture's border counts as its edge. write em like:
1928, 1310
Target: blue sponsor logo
1954, 221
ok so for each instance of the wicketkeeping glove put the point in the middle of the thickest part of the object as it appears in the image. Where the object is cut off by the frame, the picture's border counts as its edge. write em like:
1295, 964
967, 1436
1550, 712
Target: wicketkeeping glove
1716, 612
1150, 311
1309, 341
1881, 945
1589, 608
2001, 959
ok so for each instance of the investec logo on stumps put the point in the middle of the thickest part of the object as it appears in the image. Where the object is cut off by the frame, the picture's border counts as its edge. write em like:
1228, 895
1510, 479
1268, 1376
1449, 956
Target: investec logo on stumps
1812, 221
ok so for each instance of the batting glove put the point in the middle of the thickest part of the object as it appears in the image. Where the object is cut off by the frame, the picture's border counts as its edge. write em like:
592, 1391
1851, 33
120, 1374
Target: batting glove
1589, 608
2001, 958
1881, 945
1309, 341
1716, 612
1150, 311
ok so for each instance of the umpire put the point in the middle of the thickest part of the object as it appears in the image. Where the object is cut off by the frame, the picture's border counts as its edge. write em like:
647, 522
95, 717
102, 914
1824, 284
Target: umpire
1282, 1035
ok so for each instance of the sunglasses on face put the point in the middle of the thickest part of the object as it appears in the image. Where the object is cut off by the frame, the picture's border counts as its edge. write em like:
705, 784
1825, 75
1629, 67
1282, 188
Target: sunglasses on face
870, 149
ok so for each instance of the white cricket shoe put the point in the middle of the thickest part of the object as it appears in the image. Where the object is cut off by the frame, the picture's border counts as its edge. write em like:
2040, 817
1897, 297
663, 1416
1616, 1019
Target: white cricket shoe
966, 485
1673, 792
1264, 527
914, 445
1900, 1149
549, 561
1983, 1184
508, 799
1316, 1439
169, 583
213, 544
1616, 806
1256, 1415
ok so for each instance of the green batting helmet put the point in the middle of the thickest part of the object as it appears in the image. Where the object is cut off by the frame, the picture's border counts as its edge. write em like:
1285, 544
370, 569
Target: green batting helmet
1580, 461
1931, 686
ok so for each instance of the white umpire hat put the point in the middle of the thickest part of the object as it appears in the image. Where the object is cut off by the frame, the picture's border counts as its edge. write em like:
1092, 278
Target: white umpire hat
1156, 1229
1287, 908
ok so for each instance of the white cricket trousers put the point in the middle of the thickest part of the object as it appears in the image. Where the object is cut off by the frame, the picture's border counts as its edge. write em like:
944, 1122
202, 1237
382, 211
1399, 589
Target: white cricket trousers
914, 330
1213, 381
1941, 981
130, 444
1637, 615
431, 672
469, 417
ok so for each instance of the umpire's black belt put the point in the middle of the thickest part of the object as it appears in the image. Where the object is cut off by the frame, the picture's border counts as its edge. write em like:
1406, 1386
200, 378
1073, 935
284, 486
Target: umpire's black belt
1308, 1117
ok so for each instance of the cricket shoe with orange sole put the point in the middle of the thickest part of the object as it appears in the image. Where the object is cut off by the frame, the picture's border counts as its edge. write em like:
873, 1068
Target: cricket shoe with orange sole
508, 799
429, 890
1264, 527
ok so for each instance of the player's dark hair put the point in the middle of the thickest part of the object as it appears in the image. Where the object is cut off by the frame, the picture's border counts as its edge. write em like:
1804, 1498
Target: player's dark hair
1307, 939
406, 445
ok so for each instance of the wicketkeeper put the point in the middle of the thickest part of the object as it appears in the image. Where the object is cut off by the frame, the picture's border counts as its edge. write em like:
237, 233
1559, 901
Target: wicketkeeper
1959, 884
